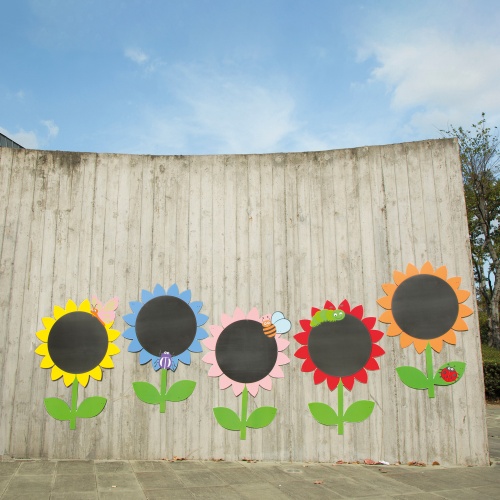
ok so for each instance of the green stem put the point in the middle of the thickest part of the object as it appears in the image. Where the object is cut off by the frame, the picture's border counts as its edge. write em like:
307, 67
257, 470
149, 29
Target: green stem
74, 404
340, 409
244, 406
430, 370
163, 391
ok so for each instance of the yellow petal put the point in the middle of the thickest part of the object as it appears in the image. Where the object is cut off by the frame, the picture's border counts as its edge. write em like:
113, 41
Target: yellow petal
48, 322
405, 340
389, 288
42, 349
427, 268
58, 312
85, 306
464, 310
385, 302
462, 295
449, 337
113, 334
436, 344
68, 378
441, 272
411, 270
386, 317
57, 373
43, 335
460, 325
420, 345
96, 373
454, 282
107, 362
83, 378
70, 306
399, 277
47, 362
393, 330
112, 349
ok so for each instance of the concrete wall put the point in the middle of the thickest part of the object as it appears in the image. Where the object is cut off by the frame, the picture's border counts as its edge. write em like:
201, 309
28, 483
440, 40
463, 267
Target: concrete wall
279, 232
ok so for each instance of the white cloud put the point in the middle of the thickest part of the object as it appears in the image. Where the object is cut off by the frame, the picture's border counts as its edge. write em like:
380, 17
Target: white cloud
26, 139
51, 127
136, 55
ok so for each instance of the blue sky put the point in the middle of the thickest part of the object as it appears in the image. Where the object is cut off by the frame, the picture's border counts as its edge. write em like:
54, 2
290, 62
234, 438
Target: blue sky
229, 76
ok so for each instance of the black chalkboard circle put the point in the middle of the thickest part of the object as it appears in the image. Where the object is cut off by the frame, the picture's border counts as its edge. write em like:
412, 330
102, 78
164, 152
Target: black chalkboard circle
340, 348
77, 342
244, 353
425, 306
166, 323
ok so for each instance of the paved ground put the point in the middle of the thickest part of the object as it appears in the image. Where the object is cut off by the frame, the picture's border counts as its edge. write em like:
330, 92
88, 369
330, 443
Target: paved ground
75, 480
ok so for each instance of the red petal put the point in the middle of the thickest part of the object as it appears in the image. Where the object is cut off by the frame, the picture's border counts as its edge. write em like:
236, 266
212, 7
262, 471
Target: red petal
361, 376
369, 322
332, 382
348, 382
308, 365
319, 376
345, 306
376, 335
372, 364
305, 324
377, 351
329, 305
302, 352
314, 310
302, 337
358, 312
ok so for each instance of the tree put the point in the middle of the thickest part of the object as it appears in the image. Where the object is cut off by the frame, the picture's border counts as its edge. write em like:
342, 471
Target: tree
480, 155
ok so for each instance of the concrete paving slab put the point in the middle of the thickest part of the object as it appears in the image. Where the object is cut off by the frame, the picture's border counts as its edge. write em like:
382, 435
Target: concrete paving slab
260, 491
89, 495
201, 479
113, 482
419, 496
121, 495
81, 483
490, 491
186, 465
112, 466
463, 494
158, 480
25, 496
32, 485
351, 488
302, 489
214, 492
36, 467
75, 467
148, 465
238, 476
169, 494
8, 468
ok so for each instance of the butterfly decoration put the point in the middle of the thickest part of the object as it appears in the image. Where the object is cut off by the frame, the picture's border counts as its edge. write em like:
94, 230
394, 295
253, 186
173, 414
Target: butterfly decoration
104, 311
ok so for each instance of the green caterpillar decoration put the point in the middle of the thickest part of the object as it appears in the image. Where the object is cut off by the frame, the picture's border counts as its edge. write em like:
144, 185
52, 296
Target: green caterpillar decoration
327, 315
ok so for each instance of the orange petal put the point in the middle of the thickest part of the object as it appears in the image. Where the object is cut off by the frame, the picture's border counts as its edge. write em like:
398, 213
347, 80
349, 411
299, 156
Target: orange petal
420, 345
464, 310
449, 337
385, 302
411, 270
454, 282
462, 295
389, 288
405, 340
460, 325
399, 277
436, 344
386, 317
441, 272
393, 330
427, 268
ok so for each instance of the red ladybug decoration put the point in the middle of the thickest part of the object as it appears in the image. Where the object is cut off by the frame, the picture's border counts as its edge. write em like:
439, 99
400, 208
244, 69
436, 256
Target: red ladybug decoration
449, 374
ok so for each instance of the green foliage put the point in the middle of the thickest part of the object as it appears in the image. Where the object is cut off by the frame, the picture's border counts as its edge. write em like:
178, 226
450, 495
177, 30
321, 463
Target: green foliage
491, 370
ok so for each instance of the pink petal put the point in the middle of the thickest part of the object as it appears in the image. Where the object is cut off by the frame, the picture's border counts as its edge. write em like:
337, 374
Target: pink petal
214, 371
253, 314
253, 388
210, 342
210, 358
215, 330
238, 388
277, 372
238, 315
266, 383
282, 343
224, 381
226, 320
282, 359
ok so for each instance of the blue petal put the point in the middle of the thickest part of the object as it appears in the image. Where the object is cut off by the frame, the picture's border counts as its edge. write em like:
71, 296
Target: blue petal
135, 306
130, 318
134, 346
155, 363
145, 296
144, 357
201, 319
173, 290
185, 296
173, 366
195, 346
130, 333
196, 306
158, 291
201, 334
185, 357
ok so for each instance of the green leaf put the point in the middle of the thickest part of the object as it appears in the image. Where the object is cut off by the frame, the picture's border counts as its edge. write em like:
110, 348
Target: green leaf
324, 414
451, 371
359, 411
57, 408
261, 417
413, 377
91, 407
227, 418
180, 390
147, 392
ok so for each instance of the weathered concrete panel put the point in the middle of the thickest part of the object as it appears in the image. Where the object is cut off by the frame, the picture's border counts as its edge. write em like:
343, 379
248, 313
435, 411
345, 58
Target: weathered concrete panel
279, 232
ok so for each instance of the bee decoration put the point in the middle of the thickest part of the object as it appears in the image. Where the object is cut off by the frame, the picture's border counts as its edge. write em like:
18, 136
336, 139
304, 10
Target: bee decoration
164, 361
327, 315
449, 374
275, 323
